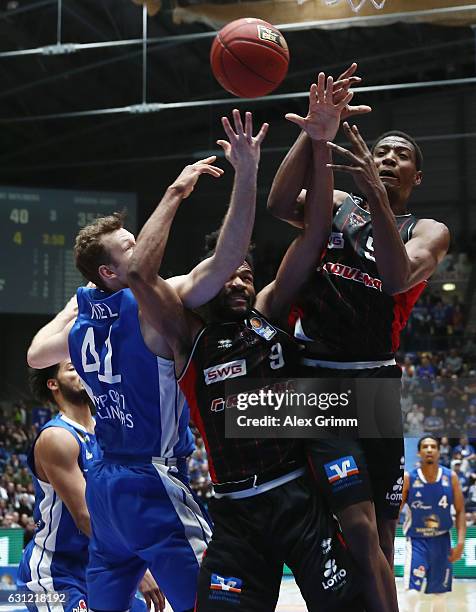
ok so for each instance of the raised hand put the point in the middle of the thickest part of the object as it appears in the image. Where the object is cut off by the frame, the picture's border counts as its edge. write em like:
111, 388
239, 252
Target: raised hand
323, 117
242, 149
362, 165
187, 179
346, 80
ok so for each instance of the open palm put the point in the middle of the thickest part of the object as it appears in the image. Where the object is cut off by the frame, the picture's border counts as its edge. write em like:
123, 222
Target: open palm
324, 114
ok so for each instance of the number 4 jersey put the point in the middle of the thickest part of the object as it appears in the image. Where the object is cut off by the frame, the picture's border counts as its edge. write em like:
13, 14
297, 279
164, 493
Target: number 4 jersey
140, 410
245, 355
429, 505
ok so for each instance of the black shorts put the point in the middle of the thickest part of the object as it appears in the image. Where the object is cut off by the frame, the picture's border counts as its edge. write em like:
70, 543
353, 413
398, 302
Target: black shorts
350, 469
255, 536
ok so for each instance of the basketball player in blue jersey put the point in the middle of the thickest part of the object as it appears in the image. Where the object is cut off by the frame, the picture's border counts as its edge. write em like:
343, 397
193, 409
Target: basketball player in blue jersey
143, 513
350, 317
429, 492
266, 511
54, 561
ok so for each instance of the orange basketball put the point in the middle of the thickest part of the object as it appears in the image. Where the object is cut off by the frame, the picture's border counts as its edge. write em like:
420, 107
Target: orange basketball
249, 57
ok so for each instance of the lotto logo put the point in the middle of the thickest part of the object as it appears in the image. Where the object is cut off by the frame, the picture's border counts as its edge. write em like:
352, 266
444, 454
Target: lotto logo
419, 572
220, 583
232, 369
342, 468
332, 575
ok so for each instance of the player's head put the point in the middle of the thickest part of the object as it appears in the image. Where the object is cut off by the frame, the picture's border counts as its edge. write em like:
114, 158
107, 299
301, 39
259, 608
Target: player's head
238, 295
429, 450
102, 252
58, 384
399, 162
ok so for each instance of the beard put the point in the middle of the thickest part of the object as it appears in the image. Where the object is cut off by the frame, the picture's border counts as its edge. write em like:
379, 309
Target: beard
78, 397
220, 310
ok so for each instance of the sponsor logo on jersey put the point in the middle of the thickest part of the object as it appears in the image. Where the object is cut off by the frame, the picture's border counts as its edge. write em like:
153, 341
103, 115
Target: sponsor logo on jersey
333, 576
89, 455
326, 545
217, 405
419, 572
420, 505
225, 588
431, 522
396, 494
222, 371
220, 583
418, 494
355, 219
417, 484
340, 469
445, 481
353, 274
227, 343
81, 607
336, 240
262, 328
269, 35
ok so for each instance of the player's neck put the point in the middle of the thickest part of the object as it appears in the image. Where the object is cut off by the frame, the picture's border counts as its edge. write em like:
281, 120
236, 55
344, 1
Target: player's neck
398, 204
430, 471
79, 413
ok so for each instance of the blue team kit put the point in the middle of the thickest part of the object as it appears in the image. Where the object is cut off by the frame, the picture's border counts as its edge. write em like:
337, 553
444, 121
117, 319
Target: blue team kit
143, 513
427, 529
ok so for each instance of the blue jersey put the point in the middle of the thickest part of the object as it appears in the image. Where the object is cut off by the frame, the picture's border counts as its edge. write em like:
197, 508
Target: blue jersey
429, 505
140, 409
56, 557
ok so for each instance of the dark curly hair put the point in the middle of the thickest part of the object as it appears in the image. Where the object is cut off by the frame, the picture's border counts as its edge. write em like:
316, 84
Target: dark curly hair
38, 379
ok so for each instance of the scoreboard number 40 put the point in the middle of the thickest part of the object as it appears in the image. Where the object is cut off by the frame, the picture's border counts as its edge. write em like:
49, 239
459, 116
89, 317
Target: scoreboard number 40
20, 215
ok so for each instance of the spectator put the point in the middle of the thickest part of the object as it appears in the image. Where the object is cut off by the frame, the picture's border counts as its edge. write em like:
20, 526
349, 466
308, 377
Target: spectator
454, 362
465, 449
434, 424
445, 452
456, 467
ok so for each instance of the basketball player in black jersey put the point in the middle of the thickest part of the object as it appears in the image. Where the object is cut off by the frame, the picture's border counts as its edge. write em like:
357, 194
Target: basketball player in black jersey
350, 316
266, 512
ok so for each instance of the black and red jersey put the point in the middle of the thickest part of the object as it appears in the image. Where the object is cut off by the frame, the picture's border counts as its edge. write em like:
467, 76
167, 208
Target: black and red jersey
231, 356
343, 307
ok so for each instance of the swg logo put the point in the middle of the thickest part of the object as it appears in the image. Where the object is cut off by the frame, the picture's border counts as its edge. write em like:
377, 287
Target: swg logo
333, 576
232, 369
342, 468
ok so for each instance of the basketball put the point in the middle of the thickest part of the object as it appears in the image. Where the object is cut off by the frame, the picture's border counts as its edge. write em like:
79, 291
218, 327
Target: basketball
249, 57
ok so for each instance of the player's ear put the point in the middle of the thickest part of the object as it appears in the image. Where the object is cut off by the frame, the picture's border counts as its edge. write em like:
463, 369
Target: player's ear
106, 273
52, 384
418, 178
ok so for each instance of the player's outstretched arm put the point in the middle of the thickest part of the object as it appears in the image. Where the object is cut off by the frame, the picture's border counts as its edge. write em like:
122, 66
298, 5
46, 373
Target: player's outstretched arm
50, 344
242, 150
56, 452
305, 252
460, 520
401, 266
286, 197
159, 303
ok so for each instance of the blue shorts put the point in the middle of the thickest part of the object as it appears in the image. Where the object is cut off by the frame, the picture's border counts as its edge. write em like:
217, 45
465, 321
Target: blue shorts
42, 572
427, 563
143, 516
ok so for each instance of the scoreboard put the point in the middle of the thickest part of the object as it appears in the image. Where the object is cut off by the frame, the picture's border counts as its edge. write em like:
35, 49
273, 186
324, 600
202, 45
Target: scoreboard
37, 232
